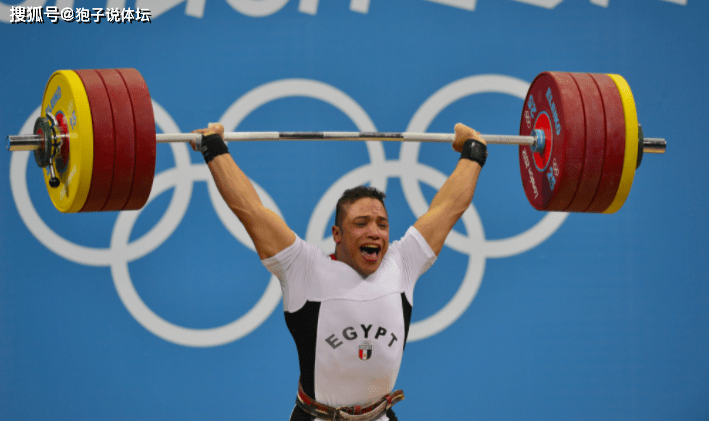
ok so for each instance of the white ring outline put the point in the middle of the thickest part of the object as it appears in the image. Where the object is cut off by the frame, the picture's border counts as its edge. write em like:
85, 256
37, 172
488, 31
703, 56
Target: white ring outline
479, 248
476, 264
272, 295
257, 8
423, 117
87, 255
182, 177
534, 236
378, 168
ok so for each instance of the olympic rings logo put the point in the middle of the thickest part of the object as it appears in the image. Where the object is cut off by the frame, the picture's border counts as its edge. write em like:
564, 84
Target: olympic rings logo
182, 176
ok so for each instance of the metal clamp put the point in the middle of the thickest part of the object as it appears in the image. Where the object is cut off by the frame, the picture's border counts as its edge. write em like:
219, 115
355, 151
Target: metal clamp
539, 141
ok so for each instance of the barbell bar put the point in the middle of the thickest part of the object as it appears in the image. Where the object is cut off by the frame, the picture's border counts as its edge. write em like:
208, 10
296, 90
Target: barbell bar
579, 142
32, 142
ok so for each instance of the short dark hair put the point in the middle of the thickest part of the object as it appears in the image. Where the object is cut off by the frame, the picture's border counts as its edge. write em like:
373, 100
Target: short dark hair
354, 194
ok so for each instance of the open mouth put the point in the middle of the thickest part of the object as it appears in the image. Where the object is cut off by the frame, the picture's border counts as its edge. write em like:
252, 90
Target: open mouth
370, 252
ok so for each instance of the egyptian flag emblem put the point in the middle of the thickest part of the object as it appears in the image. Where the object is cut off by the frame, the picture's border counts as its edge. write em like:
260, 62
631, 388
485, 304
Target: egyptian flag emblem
365, 350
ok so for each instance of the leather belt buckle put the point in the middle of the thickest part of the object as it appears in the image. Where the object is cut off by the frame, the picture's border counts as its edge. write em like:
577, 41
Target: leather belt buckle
339, 414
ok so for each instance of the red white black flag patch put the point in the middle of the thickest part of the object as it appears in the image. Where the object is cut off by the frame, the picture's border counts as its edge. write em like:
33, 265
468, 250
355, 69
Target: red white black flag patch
365, 350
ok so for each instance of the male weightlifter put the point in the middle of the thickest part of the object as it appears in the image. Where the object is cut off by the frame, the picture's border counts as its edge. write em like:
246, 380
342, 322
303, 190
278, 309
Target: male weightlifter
348, 313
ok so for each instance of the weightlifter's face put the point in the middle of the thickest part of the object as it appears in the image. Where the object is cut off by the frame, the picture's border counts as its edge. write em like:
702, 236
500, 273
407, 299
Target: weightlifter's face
363, 239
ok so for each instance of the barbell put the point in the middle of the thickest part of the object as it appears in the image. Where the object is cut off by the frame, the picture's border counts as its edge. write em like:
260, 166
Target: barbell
579, 141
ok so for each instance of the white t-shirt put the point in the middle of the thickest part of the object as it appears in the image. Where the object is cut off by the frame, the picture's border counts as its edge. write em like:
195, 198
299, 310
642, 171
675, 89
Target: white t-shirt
350, 331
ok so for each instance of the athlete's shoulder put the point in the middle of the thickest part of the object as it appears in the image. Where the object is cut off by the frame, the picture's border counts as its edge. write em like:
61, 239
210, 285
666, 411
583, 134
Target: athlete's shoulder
298, 247
411, 239
298, 259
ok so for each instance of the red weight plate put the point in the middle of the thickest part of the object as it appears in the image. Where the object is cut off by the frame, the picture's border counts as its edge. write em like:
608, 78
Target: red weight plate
615, 144
595, 142
104, 144
124, 135
144, 138
554, 105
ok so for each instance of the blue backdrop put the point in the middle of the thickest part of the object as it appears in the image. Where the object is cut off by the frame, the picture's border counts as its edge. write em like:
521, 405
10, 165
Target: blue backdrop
525, 315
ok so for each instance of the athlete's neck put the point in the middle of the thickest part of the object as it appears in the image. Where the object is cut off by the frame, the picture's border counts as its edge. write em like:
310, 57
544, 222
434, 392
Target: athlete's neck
343, 257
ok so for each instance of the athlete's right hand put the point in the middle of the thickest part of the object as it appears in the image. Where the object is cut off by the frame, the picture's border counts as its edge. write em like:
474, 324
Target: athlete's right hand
213, 128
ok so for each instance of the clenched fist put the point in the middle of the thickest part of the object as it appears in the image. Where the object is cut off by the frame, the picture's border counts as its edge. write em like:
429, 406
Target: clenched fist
463, 133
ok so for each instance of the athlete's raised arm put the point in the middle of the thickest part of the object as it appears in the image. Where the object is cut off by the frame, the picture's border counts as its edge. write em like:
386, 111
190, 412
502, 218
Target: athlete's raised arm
455, 195
269, 232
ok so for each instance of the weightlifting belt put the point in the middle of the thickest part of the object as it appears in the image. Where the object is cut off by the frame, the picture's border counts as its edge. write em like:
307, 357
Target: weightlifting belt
347, 413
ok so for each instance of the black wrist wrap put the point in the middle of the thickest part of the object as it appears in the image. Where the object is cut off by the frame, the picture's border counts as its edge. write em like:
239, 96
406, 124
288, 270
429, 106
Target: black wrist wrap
213, 146
474, 150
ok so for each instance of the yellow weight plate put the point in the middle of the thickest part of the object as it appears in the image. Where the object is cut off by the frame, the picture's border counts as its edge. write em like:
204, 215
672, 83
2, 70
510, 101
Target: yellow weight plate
65, 98
631, 144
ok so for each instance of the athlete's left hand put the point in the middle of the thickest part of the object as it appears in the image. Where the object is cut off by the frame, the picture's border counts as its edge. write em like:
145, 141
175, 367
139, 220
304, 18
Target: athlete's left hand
463, 133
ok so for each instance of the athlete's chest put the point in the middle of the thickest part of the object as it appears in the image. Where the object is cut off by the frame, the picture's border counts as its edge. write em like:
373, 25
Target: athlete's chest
369, 326
336, 280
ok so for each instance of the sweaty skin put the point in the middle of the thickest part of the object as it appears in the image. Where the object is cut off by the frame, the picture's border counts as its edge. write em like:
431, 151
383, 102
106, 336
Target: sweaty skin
271, 235
269, 232
363, 239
